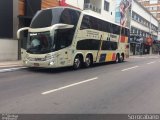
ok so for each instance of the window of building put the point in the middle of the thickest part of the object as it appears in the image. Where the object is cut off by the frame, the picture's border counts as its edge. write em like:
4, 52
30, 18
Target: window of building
106, 5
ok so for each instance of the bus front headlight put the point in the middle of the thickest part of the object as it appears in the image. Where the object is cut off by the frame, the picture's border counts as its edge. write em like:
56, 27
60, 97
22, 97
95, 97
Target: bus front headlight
51, 63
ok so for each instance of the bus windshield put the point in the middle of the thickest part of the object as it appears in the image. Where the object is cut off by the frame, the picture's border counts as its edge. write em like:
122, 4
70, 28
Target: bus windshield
49, 17
41, 43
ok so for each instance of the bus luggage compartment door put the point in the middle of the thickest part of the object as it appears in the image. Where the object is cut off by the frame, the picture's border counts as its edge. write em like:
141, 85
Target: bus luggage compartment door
64, 57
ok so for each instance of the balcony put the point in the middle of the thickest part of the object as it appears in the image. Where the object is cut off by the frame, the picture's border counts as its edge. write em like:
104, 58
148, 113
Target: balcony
89, 6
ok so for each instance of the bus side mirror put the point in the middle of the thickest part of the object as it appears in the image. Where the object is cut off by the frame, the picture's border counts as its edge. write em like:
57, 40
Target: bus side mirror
20, 30
65, 26
60, 26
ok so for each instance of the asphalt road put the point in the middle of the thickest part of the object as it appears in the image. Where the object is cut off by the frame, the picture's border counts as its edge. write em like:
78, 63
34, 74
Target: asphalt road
129, 87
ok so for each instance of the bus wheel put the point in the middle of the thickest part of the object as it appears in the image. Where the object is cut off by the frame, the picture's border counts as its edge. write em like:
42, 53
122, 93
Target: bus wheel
88, 61
122, 58
77, 63
118, 59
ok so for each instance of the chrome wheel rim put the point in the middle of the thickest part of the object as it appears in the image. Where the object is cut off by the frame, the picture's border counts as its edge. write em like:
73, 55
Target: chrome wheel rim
77, 63
88, 61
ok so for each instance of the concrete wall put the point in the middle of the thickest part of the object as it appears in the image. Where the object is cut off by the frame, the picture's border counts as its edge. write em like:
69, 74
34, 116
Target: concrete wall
8, 50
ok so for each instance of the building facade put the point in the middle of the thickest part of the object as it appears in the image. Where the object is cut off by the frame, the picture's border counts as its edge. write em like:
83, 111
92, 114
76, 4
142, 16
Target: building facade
153, 6
144, 30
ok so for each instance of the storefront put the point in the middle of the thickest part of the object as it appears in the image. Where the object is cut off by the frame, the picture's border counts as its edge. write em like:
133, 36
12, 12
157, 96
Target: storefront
140, 45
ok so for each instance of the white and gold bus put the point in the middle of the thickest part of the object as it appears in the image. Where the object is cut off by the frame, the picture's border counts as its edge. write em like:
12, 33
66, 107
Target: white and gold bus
64, 36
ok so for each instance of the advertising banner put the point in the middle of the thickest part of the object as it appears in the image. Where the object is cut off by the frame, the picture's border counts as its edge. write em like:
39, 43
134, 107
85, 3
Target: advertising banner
123, 12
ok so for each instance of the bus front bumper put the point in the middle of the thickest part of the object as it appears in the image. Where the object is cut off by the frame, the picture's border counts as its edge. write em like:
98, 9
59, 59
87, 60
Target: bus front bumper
41, 64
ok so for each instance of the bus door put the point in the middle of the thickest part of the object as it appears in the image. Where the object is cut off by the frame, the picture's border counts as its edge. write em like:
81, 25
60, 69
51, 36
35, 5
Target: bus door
64, 37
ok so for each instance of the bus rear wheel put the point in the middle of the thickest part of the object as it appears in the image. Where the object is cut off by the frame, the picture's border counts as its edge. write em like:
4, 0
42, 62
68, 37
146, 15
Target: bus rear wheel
122, 58
118, 59
88, 61
77, 63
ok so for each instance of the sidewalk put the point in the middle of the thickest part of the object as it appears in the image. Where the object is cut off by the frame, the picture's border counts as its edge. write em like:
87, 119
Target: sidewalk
145, 56
6, 64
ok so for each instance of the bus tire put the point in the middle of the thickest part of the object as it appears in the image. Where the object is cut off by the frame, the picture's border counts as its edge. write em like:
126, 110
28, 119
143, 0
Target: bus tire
122, 57
88, 61
77, 62
118, 59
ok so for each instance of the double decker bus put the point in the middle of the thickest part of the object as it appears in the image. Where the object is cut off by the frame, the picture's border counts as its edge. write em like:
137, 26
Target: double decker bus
64, 36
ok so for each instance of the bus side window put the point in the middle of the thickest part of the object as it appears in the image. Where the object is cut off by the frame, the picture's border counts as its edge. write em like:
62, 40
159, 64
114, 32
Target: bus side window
106, 45
116, 29
70, 17
94, 23
111, 28
123, 31
114, 45
64, 37
85, 23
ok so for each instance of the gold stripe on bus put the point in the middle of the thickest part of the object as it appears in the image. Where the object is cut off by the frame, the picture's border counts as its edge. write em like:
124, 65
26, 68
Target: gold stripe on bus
109, 57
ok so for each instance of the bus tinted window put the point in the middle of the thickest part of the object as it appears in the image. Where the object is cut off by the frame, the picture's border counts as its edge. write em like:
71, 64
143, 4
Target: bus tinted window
109, 45
123, 31
89, 22
116, 29
114, 45
127, 32
49, 17
63, 38
93, 23
110, 28
106, 26
85, 22
42, 19
69, 16
88, 44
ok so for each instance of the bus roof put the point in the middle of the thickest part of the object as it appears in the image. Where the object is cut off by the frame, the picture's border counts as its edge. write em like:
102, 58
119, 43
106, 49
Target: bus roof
63, 7
86, 13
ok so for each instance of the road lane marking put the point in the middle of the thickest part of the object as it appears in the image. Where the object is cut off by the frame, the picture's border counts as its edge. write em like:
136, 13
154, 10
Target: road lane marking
67, 86
10, 69
151, 62
129, 68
